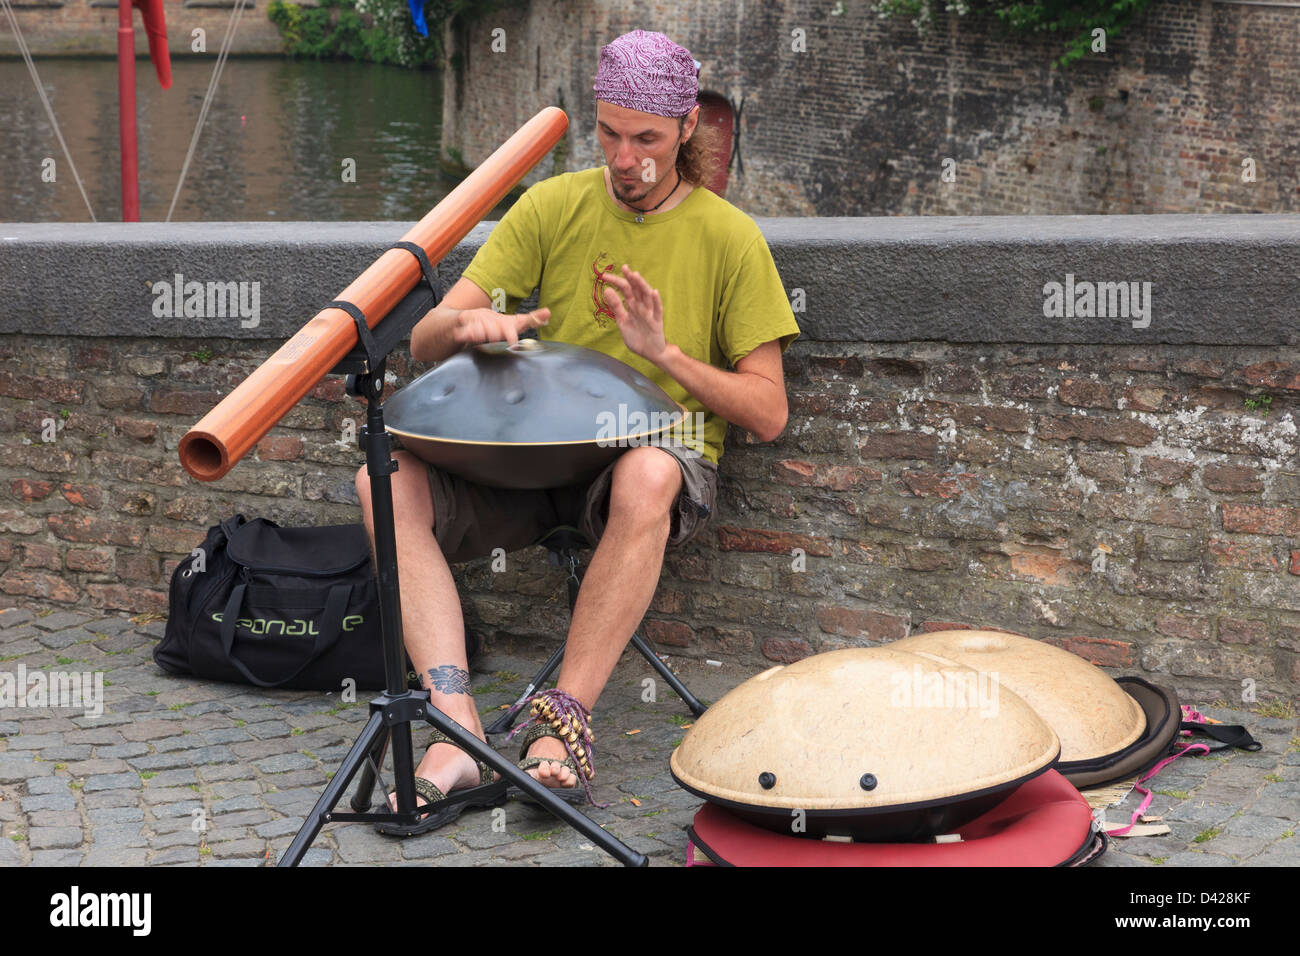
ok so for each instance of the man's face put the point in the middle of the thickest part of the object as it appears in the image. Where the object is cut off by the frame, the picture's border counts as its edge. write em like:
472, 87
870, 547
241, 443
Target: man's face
640, 148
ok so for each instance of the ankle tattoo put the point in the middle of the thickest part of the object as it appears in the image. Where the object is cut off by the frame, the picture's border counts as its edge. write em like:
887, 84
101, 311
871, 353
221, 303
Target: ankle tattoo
449, 679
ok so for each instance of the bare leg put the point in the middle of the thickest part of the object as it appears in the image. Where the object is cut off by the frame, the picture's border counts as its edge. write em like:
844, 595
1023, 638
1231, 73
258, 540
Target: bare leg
618, 587
432, 626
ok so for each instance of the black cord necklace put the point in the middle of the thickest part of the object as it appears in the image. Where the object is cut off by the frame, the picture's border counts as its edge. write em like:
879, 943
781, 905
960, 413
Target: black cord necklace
640, 213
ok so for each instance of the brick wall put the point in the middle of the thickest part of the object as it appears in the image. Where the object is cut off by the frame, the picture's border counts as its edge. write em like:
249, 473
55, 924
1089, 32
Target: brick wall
102, 514
916, 485
862, 122
89, 27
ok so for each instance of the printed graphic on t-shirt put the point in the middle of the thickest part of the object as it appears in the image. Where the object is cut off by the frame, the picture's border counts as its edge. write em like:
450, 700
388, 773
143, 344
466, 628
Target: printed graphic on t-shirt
603, 315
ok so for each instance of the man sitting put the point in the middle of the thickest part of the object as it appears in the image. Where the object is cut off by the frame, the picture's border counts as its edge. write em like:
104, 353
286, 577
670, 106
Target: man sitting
637, 260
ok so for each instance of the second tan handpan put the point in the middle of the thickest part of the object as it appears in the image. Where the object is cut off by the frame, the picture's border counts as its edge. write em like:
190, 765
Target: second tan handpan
1091, 714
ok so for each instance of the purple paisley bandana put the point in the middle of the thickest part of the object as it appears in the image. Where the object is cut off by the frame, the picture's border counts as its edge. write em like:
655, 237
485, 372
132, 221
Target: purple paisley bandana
647, 72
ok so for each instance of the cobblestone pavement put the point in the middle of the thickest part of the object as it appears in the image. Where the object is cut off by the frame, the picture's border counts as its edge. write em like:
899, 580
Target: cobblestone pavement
126, 788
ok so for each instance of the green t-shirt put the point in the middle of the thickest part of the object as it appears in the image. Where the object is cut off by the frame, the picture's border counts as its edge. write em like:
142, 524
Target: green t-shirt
721, 294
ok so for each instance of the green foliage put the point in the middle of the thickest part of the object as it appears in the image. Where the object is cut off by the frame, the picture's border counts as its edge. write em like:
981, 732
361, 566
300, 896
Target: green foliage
540, 835
287, 18
1075, 19
352, 30
1277, 708
378, 31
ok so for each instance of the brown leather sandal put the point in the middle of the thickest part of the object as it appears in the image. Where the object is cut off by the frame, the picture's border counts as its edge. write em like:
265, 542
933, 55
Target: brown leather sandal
574, 794
446, 808
557, 714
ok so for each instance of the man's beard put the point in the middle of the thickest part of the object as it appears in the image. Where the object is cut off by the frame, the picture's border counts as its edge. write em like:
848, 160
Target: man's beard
628, 193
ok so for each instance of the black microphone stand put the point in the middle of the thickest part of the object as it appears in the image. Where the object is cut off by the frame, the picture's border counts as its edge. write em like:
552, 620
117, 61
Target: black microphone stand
393, 711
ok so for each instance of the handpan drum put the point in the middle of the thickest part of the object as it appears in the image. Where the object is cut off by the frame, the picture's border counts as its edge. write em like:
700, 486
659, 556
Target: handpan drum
539, 414
1090, 712
870, 743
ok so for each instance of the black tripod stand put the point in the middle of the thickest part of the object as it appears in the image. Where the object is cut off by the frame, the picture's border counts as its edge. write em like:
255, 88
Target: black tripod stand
392, 712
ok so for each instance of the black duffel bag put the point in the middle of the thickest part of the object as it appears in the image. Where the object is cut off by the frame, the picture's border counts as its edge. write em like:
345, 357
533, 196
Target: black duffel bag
276, 607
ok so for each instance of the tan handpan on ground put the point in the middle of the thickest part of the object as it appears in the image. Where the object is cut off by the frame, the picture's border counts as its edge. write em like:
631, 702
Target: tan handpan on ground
1091, 714
876, 743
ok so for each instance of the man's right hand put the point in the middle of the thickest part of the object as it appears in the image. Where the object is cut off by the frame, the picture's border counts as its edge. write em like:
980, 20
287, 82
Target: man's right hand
475, 326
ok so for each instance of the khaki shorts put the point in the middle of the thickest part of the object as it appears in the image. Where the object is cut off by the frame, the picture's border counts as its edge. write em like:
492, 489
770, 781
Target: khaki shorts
472, 520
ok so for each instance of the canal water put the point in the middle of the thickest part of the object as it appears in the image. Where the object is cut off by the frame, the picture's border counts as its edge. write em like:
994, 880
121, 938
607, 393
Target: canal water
273, 147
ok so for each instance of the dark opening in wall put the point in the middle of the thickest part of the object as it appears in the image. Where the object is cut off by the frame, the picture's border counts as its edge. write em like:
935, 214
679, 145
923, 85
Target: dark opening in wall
716, 112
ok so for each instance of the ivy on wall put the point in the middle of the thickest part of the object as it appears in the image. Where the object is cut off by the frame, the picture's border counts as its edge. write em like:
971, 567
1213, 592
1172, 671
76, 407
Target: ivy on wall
1077, 20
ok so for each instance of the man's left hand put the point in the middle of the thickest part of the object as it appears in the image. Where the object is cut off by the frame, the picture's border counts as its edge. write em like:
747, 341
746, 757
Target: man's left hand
639, 314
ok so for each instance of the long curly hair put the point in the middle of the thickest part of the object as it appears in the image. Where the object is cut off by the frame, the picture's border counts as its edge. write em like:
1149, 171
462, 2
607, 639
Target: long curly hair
698, 160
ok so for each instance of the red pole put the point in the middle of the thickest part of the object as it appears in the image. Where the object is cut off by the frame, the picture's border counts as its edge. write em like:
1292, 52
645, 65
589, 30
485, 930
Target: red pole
126, 111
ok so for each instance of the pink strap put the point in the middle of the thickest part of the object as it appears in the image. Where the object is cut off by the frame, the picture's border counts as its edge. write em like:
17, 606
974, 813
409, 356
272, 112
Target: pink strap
1191, 715
1146, 801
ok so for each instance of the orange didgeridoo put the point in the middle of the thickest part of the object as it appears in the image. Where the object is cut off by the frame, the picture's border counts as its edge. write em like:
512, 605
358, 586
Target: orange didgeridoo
213, 446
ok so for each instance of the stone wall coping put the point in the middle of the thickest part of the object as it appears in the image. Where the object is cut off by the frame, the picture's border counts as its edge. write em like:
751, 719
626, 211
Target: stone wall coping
1214, 279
